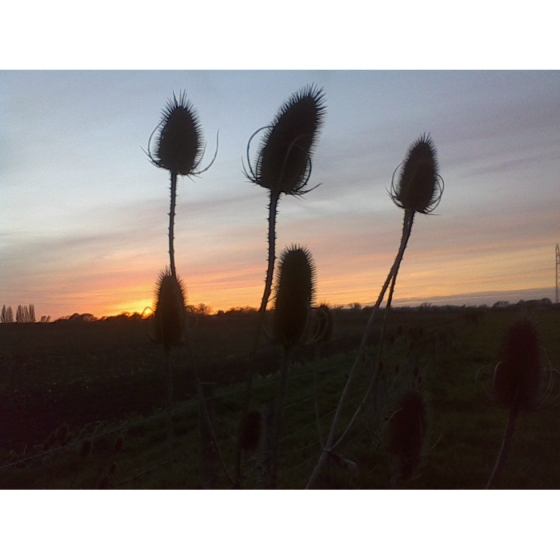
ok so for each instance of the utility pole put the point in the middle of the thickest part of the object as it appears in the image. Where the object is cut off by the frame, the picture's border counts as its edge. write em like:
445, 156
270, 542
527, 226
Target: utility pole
557, 269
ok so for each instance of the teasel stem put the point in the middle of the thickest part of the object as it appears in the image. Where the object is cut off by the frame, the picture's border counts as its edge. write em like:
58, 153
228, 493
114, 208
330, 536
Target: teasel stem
495, 478
172, 221
392, 276
272, 212
207, 418
169, 378
279, 415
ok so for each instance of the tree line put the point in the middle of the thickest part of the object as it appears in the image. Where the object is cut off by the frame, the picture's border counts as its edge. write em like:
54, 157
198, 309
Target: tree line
24, 314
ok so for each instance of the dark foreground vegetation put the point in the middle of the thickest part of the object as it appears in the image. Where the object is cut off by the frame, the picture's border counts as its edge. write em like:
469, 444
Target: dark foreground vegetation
83, 404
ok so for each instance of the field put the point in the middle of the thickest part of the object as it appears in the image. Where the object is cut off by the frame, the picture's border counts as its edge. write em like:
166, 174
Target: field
83, 404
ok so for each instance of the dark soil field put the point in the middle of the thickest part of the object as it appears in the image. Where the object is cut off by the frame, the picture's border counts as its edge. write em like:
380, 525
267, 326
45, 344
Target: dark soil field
105, 373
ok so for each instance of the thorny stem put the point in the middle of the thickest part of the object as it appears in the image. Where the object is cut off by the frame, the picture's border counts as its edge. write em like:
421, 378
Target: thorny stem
205, 409
272, 211
504, 450
377, 364
407, 229
172, 222
169, 377
280, 412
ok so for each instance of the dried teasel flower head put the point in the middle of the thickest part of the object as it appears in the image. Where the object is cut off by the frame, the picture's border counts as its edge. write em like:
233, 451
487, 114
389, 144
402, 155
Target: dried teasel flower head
420, 186
283, 162
179, 138
324, 324
294, 294
407, 432
169, 315
518, 374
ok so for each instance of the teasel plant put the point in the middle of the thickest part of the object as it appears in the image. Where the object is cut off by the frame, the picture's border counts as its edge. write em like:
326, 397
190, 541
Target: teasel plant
283, 166
406, 435
179, 149
169, 330
418, 189
521, 383
294, 293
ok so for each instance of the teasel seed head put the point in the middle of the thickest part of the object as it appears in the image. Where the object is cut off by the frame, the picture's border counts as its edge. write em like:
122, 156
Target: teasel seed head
252, 430
325, 324
179, 138
420, 186
283, 162
407, 432
294, 295
169, 315
517, 376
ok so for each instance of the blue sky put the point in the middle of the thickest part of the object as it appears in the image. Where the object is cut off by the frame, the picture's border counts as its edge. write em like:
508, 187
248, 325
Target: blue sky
83, 213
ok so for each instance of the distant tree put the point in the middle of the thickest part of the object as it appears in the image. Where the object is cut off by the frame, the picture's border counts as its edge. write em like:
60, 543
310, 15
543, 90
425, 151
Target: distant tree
31, 313
9, 315
22, 314
4, 315
45, 318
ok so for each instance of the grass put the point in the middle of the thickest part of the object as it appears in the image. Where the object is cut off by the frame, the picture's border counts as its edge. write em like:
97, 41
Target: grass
464, 435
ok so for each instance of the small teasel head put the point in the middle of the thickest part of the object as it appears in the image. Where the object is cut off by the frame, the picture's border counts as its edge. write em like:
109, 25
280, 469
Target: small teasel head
283, 162
179, 138
419, 187
252, 430
407, 433
294, 295
518, 374
325, 324
169, 315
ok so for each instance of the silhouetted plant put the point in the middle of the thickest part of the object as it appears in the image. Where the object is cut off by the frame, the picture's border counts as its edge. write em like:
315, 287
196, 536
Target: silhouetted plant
179, 150
293, 299
407, 434
283, 166
419, 189
169, 330
518, 378
169, 316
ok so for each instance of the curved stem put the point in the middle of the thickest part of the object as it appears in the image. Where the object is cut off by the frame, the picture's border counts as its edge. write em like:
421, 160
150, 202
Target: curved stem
407, 229
172, 222
504, 450
272, 211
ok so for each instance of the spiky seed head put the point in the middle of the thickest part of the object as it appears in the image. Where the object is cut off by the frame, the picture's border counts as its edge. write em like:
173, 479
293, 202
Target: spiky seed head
325, 328
179, 137
407, 431
519, 370
294, 294
169, 315
284, 158
252, 430
419, 187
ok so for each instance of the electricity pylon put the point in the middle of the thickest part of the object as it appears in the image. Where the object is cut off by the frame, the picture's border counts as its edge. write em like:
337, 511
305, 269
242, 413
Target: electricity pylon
557, 269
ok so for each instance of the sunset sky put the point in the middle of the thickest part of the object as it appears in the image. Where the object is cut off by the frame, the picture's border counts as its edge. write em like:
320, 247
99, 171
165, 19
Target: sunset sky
83, 212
